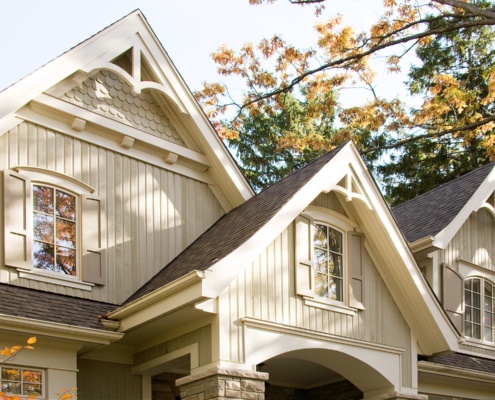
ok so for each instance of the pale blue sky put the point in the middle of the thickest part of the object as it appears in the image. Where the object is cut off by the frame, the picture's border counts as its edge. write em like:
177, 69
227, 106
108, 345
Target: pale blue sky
33, 32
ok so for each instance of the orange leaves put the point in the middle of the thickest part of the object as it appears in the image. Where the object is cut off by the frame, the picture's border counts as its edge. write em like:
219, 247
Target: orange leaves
67, 394
9, 352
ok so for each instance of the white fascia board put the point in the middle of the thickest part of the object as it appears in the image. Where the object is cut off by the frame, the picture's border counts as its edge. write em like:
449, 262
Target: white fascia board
56, 330
96, 52
182, 292
443, 238
222, 273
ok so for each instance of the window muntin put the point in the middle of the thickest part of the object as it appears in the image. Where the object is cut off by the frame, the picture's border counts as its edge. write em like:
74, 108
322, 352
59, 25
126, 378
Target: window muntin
54, 230
479, 317
21, 381
328, 262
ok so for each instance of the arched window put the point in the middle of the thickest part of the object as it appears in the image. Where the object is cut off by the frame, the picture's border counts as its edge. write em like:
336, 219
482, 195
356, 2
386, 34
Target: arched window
54, 230
328, 262
479, 317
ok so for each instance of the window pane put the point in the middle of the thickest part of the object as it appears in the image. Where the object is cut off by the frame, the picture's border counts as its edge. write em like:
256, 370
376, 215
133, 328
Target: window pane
469, 329
11, 374
320, 238
66, 206
31, 389
321, 261
11, 387
43, 227
477, 316
467, 314
487, 334
335, 265
321, 285
476, 285
476, 300
468, 299
43, 256
43, 199
488, 289
31, 376
335, 286
66, 233
476, 331
66, 261
334, 240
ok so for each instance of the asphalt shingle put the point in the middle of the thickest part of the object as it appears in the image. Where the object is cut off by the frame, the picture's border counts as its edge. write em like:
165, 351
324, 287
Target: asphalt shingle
52, 307
429, 213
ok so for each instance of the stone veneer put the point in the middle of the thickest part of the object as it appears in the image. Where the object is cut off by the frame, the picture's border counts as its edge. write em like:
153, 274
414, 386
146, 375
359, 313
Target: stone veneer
219, 384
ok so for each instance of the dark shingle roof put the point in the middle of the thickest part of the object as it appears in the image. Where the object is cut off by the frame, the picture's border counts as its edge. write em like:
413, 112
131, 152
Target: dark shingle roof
465, 361
234, 228
429, 213
51, 307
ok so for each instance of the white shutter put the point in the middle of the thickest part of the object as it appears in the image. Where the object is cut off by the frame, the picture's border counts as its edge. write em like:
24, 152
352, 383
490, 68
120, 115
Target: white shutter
304, 255
93, 257
18, 217
355, 243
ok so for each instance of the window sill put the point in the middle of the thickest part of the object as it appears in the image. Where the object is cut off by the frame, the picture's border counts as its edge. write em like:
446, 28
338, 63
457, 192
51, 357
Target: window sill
55, 280
478, 343
329, 305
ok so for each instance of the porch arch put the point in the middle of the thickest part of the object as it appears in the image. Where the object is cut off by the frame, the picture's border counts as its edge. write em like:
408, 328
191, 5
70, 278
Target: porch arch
373, 369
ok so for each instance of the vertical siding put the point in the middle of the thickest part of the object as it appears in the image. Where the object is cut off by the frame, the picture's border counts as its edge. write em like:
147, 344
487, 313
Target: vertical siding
106, 380
266, 291
151, 214
474, 242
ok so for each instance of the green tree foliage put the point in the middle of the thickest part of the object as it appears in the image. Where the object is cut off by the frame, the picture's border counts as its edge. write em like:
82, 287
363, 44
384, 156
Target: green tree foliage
290, 111
465, 56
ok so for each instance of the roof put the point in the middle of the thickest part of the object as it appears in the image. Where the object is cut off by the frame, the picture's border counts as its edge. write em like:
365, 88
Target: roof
234, 228
464, 361
429, 213
52, 307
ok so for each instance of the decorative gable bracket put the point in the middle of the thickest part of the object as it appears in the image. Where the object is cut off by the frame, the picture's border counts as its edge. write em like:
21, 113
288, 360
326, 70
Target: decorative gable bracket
350, 187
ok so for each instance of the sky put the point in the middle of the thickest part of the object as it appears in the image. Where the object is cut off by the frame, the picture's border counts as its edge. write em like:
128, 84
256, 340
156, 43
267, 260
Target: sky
34, 32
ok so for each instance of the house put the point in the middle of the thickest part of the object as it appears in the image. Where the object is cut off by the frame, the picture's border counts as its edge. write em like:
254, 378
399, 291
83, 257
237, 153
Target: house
141, 259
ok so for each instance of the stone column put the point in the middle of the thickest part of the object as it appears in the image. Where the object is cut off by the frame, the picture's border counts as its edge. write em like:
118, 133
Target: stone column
399, 396
222, 384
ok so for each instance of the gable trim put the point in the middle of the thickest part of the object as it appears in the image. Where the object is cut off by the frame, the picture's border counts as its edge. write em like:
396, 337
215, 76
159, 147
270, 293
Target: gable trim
477, 201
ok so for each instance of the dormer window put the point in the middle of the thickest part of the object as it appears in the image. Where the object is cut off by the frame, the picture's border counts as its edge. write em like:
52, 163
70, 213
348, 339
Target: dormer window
479, 318
328, 262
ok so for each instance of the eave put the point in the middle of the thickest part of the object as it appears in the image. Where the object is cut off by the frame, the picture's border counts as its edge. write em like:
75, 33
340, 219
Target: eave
58, 331
182, 292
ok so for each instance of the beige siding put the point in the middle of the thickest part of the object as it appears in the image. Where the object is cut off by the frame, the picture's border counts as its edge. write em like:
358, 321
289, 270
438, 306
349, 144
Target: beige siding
474, 243
266, 291
201, 336
151, 214
106, 380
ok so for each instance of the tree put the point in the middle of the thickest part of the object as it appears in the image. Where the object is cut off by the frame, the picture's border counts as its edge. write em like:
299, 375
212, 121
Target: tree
455, 113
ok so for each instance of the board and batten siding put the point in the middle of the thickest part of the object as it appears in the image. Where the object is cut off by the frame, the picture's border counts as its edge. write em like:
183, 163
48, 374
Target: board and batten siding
151, 214
266, 291
474, 242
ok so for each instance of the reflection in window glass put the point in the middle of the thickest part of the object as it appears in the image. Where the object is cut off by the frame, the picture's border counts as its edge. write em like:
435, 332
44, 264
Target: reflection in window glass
328, 263
21, 381
479, 314
54, 230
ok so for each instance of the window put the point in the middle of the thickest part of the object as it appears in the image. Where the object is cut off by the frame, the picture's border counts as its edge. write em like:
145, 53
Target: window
54, 230
22, 381
328, 262
479, 317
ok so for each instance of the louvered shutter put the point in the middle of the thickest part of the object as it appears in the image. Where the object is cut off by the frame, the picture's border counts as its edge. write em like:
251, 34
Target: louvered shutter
304, 252
93, 257
355, 261
452, 296
18, 219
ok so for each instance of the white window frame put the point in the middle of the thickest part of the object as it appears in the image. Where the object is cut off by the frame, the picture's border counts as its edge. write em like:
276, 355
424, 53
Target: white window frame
93, 246
26, 368
77, 276
324, 216
481, 310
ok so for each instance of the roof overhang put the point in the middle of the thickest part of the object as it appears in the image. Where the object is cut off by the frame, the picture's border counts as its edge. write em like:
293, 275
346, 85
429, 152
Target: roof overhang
475, 203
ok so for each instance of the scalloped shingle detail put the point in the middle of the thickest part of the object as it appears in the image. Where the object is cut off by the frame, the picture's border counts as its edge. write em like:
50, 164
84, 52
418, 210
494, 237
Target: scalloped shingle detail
108, 94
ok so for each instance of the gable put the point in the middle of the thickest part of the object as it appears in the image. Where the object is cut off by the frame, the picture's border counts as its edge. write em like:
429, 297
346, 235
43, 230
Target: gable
84, 88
